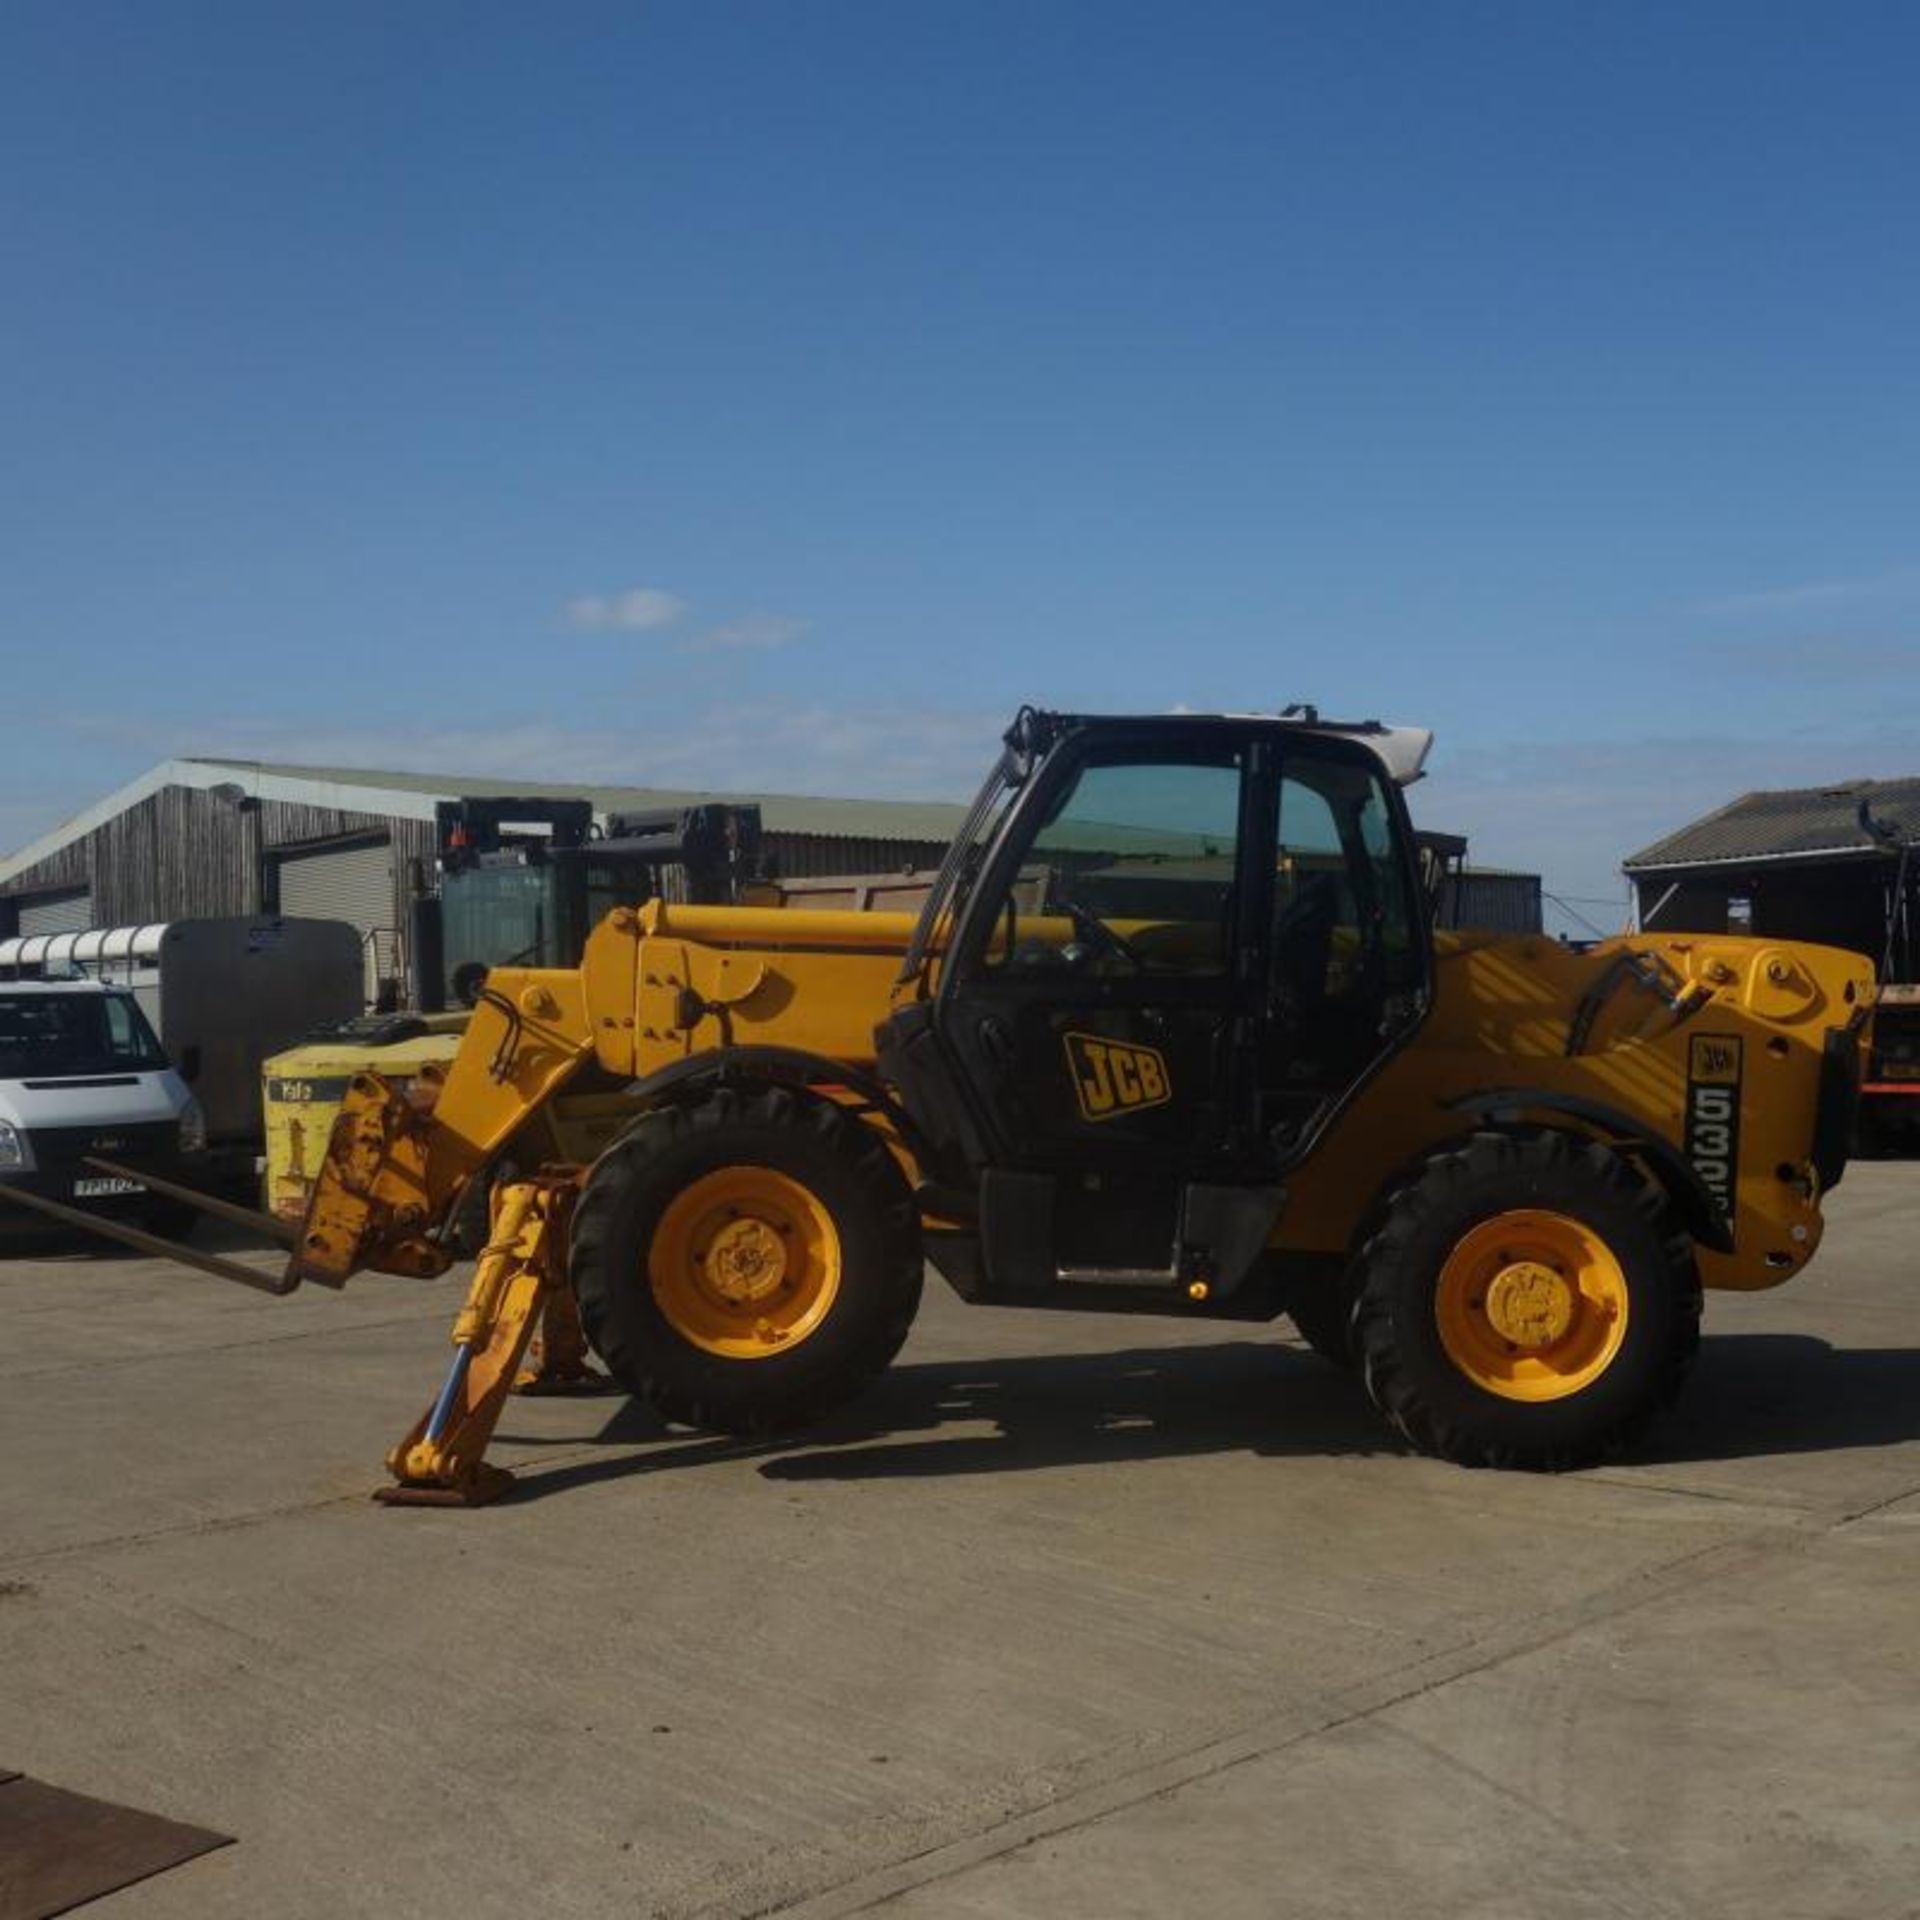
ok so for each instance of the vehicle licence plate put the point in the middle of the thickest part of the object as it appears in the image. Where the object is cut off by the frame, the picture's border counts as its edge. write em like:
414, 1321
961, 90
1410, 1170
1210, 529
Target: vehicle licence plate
100, 1188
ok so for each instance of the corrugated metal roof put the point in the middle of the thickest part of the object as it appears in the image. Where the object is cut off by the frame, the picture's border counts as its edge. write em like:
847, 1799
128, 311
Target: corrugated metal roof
1794, 822
782, 812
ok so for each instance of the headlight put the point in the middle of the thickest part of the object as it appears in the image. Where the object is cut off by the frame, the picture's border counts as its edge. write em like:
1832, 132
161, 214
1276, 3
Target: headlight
13, 1150
193, 1128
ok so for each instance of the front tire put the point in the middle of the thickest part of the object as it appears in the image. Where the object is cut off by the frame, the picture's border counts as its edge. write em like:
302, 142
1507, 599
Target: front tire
747, 1264
1527, 1300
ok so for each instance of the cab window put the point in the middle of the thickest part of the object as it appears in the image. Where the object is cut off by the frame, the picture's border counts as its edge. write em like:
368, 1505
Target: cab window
1344, 961
1343, 921
1131, 872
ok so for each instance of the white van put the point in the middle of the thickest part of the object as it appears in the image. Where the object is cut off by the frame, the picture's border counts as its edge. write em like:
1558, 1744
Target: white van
83, 1074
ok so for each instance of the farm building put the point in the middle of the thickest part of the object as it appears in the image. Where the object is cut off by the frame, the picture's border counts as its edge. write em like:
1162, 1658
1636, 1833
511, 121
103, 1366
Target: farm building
1485, 899
194, 838
1793, 864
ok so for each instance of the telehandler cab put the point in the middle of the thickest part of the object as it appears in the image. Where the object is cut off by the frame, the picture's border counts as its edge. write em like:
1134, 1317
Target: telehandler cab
1171, 1034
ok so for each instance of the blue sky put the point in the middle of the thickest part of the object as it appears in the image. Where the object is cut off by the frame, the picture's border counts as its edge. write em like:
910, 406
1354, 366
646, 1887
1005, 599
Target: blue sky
773, 396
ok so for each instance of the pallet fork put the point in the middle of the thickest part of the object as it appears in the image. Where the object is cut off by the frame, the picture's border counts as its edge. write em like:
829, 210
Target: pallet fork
518, 1308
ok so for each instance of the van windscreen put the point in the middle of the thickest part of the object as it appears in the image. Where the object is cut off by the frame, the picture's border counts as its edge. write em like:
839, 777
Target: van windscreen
62, 1035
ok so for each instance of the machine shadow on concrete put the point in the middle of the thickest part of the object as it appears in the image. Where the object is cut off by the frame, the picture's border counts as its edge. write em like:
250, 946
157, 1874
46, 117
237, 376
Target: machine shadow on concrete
1751, 1395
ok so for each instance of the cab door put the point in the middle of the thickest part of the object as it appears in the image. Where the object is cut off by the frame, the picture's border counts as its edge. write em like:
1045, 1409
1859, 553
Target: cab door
1097, 1001
1346, 957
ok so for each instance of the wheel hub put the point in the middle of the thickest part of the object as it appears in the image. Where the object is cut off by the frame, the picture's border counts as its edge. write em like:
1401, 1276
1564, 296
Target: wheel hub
1529, 1304
745, 1261
1532, 1305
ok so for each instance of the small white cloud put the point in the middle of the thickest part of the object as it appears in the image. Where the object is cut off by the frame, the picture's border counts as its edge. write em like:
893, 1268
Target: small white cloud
637, 610
755, 632
1818, 597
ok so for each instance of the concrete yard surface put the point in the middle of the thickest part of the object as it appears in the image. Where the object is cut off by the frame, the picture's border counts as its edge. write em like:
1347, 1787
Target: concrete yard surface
1073, 1616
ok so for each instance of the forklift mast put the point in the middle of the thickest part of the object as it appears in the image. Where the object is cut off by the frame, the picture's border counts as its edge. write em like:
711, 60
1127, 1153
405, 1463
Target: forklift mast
716, 847
512, 897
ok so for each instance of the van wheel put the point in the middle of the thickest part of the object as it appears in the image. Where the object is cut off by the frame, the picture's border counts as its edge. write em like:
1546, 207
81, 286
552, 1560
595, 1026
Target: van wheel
749, 1263
170, 1219
1529, 1300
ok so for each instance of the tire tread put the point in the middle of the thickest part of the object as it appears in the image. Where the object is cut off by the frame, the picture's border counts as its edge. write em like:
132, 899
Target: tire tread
651, 1361
1518, 1161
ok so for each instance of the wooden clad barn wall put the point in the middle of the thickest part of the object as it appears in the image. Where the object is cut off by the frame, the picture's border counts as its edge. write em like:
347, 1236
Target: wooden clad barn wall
285, 822
181, 854
174, 855
58, 872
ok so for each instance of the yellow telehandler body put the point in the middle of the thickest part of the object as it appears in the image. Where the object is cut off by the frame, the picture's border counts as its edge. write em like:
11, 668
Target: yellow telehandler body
1171, 1033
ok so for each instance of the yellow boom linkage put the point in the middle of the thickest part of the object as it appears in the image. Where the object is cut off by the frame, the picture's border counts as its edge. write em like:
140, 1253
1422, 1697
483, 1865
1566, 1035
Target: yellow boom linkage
398, 1160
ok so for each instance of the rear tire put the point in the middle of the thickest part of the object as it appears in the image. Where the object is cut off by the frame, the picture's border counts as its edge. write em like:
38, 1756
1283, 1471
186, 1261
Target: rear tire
1528, 1300
748, 1264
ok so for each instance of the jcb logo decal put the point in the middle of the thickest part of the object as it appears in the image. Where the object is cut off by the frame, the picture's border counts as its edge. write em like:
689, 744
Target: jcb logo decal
1713, 1115
1112, 1077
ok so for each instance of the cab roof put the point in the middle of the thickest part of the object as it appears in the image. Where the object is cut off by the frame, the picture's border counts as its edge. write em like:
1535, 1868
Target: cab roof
1401, 751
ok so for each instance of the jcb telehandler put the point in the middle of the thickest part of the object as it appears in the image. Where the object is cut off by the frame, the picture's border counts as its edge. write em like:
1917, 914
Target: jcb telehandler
1170, 1035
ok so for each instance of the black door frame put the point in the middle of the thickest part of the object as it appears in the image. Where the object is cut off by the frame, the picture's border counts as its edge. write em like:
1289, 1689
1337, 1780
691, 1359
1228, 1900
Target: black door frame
1266, 748
1232, 993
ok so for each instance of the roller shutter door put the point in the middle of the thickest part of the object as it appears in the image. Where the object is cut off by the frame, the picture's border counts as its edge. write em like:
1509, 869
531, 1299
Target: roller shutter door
56, 912
354, 884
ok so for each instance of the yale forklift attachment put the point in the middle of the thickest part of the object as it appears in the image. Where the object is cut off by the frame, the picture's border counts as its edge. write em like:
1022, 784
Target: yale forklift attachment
1171, 1033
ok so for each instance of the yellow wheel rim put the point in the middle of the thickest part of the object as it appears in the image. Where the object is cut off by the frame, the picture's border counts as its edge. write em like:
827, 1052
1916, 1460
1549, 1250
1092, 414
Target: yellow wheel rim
745, 1263
1531, 1306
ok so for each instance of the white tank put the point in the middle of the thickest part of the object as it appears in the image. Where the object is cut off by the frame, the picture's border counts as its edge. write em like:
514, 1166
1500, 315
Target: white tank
222, 994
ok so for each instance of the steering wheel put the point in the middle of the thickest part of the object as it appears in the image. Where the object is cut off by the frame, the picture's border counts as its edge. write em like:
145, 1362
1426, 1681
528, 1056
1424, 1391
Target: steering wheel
1095, 932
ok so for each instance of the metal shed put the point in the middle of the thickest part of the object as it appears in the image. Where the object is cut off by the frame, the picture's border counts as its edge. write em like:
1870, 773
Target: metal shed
200, 838
1792, 863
